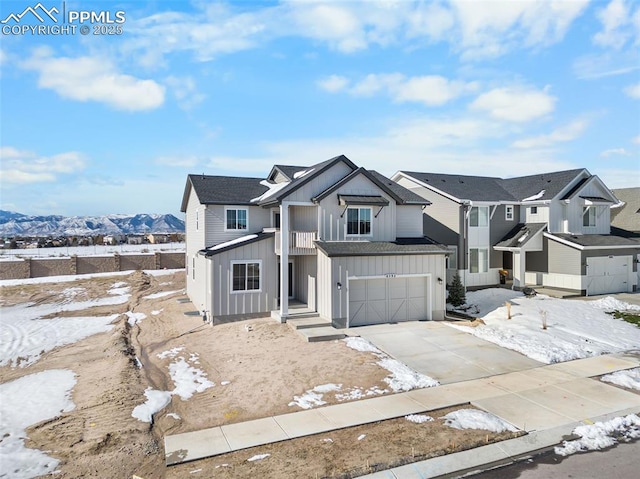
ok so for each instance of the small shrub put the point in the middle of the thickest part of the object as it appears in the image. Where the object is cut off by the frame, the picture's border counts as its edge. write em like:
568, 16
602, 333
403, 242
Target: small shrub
456, 292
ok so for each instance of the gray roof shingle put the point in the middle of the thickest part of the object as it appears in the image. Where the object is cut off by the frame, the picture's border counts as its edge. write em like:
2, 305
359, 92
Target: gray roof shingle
627, 216
222, 190
603, 241
520, 235
487, 188
402, 246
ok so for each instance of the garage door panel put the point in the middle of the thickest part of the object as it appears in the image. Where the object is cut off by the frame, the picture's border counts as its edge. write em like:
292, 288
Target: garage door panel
383, 300
608, 274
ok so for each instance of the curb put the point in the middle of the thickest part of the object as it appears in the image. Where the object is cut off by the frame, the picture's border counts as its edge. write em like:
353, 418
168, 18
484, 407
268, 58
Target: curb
499, 454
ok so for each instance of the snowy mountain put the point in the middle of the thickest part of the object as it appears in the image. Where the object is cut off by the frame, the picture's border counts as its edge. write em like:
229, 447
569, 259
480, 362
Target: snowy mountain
17, 224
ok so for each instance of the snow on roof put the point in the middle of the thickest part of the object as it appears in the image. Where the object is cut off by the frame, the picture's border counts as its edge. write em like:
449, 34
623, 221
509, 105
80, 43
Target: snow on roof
273, 189
300, 174
242, 239
536, 196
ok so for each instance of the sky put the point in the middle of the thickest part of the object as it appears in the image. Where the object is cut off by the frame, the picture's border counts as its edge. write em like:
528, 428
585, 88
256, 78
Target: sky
112, 119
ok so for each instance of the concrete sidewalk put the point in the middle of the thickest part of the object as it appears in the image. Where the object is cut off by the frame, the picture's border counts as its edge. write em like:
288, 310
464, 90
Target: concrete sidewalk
543, 398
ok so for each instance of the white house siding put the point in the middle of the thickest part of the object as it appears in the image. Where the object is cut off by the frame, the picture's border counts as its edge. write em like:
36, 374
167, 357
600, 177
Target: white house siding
320, 183
542, 216
338, 269
303, 218
333, 226
195, 241
226, 303
304, 278
258, 218
408, 221
280, 178
574, 212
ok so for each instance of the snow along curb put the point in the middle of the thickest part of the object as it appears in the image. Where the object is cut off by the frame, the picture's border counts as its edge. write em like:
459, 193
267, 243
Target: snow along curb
491, 456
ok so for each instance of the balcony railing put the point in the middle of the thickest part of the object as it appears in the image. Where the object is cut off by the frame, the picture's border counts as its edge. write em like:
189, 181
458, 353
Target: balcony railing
300, 242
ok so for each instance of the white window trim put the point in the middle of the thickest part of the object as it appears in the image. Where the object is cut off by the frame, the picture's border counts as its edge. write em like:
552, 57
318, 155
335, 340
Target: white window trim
595, 216
236, 208
487, 257
508, 208
531, 212
487, 216
244, 261
453, 255
346, 221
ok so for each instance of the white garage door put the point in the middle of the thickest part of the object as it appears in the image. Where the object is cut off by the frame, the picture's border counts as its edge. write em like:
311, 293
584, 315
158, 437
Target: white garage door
608, 274
388, 300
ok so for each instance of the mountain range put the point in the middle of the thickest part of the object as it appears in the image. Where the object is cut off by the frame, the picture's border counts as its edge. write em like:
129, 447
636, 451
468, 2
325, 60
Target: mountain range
17, 224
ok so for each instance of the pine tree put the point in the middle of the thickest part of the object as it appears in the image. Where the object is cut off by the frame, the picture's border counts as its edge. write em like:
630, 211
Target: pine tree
456, 292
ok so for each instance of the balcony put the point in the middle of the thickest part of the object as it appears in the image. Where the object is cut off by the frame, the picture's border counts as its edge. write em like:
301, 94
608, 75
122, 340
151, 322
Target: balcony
300, 242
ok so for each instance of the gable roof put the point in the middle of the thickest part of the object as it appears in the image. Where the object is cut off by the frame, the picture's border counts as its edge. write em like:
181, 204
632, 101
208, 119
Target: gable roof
296, 183
286, 170
627, 216
222, 190
520, 235
486, 188
398, 192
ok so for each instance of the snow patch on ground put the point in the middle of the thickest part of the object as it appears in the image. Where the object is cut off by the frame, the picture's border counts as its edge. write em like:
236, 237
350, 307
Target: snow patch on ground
610, 304
76, 277
601, 435
575, 329
135, 318
313, 397
156, 313
24, 336
484, 301
186, 379
361, 437
162, 294
629, 378
27, 401
156, 400
418, 418
257, 457
476, 419
119, 288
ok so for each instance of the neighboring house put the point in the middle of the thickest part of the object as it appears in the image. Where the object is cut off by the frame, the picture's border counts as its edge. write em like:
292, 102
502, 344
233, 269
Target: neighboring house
344, 241
551, 229
626, 214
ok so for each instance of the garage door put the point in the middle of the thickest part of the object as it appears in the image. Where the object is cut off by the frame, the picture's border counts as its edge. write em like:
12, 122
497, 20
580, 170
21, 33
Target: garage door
387, 300
608, 274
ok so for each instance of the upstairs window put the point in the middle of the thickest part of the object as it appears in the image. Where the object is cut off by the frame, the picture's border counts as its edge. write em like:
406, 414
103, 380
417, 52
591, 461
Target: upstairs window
236, 219
479, 216
534, 210
359, 221
246, 276
589, 216
508, 213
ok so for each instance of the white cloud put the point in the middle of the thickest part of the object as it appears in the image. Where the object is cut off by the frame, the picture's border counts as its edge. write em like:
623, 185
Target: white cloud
519, 104
430, 90
636, 140
609, 63
564, 133
614, 151
633, 91
333, 83
617, 26
21, 166
185, 91
490, 29
93, 79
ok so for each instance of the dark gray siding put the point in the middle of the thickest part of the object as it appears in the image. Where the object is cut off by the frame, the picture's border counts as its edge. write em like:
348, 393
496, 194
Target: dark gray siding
438, 231
538, 261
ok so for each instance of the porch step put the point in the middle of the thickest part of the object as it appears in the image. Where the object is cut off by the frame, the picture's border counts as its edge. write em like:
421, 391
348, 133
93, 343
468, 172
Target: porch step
306, 322
325, 333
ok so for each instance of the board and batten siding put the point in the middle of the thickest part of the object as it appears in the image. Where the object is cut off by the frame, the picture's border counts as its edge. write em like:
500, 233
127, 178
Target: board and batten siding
320, 183
632, 252
195, 241
499, 226
333, 226
303, 218
227, 303
338, 269
258, 218
305, 273
542, 215
409, 221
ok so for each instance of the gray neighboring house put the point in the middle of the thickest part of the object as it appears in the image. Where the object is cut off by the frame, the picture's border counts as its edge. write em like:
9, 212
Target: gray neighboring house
626, 214
338, 240
551, 229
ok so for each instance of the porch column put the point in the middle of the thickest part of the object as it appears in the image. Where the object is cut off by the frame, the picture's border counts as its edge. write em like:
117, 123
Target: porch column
284, 261
519, 267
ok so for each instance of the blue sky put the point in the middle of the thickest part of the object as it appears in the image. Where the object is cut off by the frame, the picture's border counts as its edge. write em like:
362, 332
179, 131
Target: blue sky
97, 124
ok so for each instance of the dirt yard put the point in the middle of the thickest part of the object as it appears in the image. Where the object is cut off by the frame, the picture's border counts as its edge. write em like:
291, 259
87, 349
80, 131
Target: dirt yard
257, 367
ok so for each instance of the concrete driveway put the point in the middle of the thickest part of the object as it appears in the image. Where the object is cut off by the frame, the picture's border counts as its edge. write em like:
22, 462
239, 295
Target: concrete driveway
442, 352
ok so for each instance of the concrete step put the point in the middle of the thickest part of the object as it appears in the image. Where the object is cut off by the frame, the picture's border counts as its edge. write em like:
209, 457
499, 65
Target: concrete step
326, 333
307, 322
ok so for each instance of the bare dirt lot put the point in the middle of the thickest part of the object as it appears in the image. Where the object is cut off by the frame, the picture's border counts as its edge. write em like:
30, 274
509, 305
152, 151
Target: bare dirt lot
256, 367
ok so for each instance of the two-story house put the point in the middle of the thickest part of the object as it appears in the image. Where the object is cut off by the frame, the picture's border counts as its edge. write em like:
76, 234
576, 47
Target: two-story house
551, 229
346, 242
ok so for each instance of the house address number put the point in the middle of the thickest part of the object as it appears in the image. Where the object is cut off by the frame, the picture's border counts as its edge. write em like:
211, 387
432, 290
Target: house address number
390, 275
